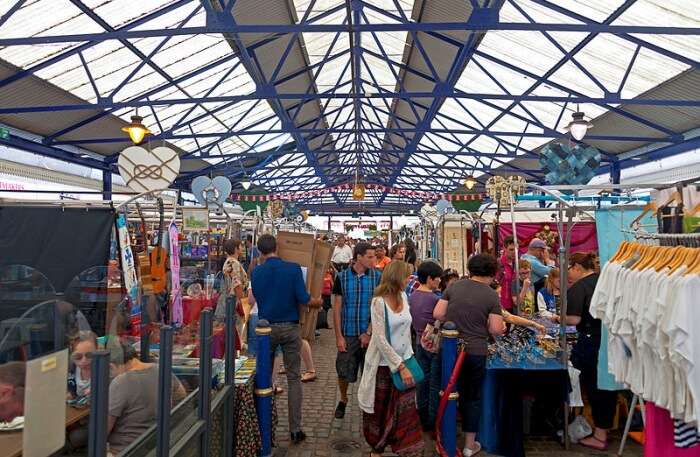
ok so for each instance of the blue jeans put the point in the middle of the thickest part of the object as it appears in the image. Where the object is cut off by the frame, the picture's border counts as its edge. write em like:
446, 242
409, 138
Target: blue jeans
428, 395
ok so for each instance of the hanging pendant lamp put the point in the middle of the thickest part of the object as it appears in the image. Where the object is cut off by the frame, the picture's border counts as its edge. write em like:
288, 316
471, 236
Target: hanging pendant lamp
358, 188
578, 127
136, 130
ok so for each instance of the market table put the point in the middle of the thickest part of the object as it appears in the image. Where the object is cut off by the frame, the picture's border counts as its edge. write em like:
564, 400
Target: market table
11, 442
501, 425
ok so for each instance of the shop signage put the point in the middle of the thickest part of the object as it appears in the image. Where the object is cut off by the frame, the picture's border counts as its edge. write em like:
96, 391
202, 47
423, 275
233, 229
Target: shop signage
11, 186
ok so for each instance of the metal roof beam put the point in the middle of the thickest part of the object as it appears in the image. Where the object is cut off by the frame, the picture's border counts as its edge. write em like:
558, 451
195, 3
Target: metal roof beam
634, 39
90, 43
384, 94
23, 144
263, 85
472, 131
280, 29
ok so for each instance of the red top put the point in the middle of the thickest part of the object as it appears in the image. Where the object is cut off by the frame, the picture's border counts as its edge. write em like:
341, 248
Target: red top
327, 284
505, 276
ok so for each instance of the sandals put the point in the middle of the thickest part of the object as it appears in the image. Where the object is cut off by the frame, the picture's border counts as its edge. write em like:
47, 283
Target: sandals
594, 443
309, 376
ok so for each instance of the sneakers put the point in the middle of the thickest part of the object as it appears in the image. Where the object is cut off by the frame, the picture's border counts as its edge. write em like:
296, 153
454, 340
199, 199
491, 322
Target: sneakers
466, 452
340, 410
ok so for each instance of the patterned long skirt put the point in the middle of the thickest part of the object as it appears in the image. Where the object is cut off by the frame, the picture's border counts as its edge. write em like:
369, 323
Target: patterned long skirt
395, 421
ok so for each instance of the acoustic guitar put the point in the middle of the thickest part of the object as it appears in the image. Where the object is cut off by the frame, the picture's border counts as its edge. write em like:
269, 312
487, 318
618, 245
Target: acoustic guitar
159, 256
143, 258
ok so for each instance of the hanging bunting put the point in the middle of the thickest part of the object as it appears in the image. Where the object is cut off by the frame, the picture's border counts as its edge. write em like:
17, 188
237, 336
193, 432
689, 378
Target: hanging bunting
419, 194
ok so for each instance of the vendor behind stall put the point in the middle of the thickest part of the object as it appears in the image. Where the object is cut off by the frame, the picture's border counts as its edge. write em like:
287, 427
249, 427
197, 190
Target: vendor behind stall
584, 355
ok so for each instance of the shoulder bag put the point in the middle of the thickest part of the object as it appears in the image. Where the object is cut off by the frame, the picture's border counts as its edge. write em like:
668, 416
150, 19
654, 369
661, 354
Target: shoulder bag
411, 363
430, 339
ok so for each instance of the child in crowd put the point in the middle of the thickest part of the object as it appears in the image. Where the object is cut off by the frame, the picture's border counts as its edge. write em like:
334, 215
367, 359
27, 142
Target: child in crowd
525, 299
548, 298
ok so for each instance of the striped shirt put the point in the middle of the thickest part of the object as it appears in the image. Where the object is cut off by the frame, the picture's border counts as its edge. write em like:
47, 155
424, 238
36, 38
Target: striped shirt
357, 292
685, 435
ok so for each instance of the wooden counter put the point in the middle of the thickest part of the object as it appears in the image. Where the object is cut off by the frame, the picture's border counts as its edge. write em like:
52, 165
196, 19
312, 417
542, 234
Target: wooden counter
11, 442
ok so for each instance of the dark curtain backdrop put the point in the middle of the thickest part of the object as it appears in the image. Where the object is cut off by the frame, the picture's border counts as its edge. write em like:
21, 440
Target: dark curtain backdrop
60, 243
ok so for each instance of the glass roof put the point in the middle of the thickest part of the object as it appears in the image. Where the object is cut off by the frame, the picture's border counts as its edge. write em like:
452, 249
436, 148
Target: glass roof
471, 133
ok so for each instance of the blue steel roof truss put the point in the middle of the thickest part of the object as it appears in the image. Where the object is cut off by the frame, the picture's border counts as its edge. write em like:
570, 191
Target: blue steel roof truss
359, 123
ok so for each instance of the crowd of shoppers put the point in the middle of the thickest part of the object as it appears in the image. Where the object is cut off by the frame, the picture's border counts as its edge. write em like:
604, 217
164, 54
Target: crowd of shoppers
383, 309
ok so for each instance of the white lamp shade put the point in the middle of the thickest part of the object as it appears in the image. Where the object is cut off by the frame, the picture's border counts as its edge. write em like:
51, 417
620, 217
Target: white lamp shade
578, 130
246, 184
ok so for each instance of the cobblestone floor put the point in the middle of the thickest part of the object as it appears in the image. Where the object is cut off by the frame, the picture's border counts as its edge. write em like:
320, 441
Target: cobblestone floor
328, 437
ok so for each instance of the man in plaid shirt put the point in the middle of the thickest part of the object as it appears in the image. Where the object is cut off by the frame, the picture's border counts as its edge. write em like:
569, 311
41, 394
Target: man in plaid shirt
352, 295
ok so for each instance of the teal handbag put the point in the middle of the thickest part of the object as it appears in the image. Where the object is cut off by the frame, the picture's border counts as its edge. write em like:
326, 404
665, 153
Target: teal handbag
411, 363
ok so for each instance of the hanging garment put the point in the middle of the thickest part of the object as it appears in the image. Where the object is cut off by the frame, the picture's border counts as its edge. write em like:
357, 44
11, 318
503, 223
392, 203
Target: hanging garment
685, 435
654, 335
659, 435
176, 293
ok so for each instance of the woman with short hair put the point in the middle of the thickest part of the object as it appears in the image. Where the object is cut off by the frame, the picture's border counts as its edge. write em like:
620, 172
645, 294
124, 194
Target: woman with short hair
475, 309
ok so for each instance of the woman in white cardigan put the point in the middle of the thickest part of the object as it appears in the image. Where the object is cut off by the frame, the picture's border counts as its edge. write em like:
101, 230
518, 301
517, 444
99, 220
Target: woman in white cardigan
390, 416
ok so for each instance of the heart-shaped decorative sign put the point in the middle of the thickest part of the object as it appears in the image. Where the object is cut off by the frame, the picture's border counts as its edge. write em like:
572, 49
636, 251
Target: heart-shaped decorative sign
443, 206
145, 170
565, 165
208, 190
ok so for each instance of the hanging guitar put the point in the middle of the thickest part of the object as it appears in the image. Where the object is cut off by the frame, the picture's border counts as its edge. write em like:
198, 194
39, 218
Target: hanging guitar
159, 256
143, 259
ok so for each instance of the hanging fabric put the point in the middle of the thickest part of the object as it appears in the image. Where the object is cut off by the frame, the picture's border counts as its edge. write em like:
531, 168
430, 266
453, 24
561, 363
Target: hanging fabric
176, 317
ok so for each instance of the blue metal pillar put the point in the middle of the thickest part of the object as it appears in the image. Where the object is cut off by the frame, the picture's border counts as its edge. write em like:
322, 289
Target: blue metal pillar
229, 377
448, 429
615, 171
165, 380
106, 185
206, 324
263, 386
99, 405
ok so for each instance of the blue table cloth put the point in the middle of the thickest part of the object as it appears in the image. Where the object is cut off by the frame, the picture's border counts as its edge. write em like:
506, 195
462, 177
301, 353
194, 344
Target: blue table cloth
501, 425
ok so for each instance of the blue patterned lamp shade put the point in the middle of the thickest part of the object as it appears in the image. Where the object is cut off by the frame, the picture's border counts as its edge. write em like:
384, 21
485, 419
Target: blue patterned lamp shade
563, 164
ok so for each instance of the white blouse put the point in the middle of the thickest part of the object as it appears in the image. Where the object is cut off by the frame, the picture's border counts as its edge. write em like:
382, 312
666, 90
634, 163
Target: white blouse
400, 333
379, 351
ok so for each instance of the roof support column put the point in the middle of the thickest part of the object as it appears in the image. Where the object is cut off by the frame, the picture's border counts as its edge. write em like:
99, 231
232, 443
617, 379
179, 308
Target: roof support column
107, 185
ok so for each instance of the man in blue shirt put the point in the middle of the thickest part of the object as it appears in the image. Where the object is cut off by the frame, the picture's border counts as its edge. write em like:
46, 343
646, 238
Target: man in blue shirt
353, 291
279, 290
536, 255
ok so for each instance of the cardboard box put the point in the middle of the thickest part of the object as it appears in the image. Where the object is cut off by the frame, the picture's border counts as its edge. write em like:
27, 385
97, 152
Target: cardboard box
321, 260
296, 247
309, 253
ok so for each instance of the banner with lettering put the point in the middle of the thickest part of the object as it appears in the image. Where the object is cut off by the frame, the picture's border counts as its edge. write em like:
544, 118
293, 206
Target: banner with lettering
131, 282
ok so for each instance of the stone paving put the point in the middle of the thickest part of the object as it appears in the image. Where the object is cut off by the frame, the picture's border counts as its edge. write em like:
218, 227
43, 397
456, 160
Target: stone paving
328, 437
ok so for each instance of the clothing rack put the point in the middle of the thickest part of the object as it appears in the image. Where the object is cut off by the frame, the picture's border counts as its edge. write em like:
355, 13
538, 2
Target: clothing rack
642, 235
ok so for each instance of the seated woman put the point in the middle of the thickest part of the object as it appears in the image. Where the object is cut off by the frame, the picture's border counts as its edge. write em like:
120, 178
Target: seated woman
133, 396
82, 347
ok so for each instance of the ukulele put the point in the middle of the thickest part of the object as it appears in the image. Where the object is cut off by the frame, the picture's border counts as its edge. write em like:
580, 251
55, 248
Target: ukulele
159, 256
143, 259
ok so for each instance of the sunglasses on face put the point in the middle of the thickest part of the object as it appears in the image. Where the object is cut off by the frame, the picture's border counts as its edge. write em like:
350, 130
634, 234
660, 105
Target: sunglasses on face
76, 356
